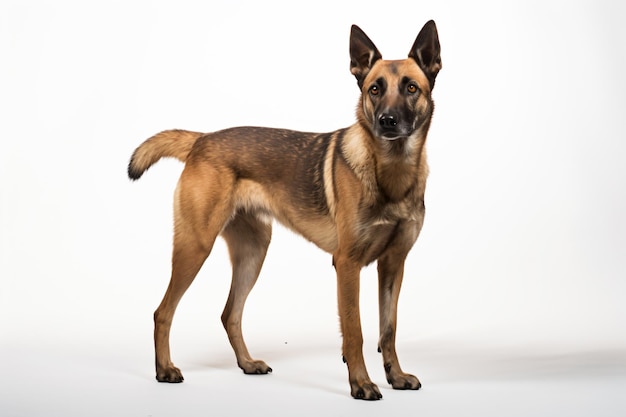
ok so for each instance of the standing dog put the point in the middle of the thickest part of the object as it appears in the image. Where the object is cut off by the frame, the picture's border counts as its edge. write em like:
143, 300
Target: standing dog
357, 193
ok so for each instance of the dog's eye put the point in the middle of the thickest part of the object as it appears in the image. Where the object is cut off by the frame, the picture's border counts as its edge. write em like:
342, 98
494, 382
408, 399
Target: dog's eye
411, 88
374, 90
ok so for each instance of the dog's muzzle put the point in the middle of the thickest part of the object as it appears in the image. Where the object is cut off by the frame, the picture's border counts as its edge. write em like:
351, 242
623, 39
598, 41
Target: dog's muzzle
389, 127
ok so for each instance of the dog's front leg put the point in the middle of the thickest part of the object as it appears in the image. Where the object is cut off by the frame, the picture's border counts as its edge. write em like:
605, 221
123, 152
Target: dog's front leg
348, 276
390, 273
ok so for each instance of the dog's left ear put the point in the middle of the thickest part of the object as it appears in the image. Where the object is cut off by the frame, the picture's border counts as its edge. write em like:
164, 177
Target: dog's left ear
363, 54
426, 51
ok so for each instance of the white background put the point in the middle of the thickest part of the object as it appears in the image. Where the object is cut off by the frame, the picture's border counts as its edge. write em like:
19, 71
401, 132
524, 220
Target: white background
513, 302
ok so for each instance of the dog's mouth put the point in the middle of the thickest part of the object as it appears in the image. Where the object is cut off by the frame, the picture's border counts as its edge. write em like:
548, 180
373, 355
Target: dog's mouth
392, 136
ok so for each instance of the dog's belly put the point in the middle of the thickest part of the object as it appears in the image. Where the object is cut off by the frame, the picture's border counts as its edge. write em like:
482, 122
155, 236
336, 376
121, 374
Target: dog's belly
370, 242
320, 230
372, 235
253, 197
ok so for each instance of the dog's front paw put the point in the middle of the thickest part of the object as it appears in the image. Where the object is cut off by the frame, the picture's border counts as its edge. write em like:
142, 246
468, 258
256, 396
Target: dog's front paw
171, 374
403, 381
255, 368
367, 391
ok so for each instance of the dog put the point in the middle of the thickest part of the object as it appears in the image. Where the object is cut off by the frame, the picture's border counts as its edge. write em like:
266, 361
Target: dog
357, 193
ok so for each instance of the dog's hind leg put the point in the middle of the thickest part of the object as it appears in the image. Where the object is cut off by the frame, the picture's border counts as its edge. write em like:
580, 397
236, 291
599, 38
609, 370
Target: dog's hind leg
199, 215
247, 237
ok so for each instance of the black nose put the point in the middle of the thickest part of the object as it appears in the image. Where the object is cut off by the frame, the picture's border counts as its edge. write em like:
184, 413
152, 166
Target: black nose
387, 121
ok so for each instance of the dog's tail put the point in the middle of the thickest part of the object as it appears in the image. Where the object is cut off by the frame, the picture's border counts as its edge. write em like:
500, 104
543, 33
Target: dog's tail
169, 143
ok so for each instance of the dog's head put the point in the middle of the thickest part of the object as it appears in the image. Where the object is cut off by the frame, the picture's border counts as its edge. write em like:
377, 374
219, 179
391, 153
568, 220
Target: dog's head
396, 95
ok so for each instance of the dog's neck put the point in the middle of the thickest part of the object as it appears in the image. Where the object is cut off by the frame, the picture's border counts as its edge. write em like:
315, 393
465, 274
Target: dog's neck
402, 172
399, 168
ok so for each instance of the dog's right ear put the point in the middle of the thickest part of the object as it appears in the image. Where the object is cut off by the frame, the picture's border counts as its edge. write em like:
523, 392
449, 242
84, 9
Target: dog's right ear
363, 54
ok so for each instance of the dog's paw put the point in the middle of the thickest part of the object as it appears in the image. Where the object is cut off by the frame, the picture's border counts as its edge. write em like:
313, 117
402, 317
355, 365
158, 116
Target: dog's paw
255, 368
171, 374
404, 381
368, 391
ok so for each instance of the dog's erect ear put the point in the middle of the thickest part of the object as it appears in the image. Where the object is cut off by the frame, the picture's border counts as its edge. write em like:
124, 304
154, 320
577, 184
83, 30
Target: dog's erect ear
426, 51
363, 54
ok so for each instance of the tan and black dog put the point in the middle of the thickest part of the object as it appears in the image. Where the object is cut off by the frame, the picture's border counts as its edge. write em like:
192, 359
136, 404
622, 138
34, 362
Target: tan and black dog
357, 193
